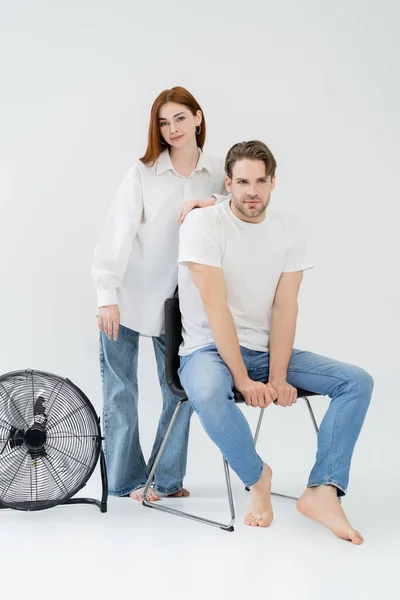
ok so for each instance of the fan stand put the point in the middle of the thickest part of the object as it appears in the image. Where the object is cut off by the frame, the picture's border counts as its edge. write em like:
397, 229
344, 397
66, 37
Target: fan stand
101, 504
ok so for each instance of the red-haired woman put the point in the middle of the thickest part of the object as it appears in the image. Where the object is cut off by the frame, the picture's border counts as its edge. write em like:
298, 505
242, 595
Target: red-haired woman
135, 270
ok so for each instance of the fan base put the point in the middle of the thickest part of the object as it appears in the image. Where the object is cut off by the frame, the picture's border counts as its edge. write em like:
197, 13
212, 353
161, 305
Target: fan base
24, 505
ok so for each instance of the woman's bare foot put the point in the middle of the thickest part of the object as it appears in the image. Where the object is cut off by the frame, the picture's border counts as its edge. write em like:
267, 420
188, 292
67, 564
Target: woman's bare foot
260, 513
151, 495
182, 493
322, 505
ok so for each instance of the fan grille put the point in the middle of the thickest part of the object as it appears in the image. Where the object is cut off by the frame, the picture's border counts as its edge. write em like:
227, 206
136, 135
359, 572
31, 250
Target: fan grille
50, 440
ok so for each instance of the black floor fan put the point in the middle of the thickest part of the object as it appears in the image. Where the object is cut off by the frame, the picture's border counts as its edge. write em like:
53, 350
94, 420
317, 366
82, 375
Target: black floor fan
50, 442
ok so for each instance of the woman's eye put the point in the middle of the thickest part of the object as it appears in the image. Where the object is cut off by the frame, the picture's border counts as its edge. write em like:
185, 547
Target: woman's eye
181, 118
162, 124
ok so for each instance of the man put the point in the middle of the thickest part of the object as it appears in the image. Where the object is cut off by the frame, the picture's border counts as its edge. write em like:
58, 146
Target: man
241, 266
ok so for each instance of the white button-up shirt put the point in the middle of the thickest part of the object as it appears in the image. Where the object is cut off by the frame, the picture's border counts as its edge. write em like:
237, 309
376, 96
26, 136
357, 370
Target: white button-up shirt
135, 263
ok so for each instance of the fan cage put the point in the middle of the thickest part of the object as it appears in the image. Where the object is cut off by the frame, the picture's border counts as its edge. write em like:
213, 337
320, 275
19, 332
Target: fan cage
50, 440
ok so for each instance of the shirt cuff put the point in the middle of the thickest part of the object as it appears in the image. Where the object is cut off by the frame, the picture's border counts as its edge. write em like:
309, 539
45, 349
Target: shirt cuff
107, 297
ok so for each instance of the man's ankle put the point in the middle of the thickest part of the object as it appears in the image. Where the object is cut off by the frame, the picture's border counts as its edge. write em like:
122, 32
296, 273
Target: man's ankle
325, 490
265, 479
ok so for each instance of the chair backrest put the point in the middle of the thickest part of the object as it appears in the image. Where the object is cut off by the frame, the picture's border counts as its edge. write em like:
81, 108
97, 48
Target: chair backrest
173, 339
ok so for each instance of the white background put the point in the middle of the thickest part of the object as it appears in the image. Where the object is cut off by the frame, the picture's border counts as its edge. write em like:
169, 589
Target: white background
319, 83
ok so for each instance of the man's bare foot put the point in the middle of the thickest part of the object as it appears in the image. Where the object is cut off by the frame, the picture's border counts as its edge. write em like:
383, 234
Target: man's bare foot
151, 495
322, 505
182, 493
260, 513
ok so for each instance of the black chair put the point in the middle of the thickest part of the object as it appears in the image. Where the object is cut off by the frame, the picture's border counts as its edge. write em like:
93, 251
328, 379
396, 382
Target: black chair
173, 339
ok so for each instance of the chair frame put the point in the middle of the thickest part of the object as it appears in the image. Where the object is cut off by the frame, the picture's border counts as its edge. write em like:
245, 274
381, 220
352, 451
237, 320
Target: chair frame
173, 338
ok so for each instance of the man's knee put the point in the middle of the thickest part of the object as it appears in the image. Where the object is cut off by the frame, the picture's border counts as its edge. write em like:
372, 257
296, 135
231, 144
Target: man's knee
206, 381
359, 381
208, 394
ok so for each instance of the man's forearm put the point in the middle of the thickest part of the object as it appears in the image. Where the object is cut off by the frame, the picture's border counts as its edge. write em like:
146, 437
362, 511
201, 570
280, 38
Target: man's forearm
225, 337
283, 330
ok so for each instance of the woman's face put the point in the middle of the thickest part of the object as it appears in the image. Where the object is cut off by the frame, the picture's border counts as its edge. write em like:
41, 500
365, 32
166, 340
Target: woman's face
178, 124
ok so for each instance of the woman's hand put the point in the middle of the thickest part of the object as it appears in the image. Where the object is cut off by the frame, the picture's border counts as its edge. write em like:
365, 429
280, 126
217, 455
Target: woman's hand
108, 320
188, 206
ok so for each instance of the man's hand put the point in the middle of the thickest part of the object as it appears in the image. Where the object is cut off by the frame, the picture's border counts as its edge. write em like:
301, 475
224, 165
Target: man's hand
108, 320
256, 393
287, 394
188, 206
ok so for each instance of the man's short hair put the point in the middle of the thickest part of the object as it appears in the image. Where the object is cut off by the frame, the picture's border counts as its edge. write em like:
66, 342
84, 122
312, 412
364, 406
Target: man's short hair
253, 150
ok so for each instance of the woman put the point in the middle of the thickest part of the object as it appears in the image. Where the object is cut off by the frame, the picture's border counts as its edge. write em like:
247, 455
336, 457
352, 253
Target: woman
135, 270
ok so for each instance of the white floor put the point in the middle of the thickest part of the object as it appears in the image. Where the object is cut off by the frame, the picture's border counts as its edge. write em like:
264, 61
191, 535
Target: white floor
78, 553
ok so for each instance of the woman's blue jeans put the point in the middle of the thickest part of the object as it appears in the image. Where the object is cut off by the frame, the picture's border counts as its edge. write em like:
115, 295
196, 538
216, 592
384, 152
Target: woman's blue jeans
126, 467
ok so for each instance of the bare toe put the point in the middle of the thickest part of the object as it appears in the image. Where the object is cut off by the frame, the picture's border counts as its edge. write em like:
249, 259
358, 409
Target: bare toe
151, 495
355, 537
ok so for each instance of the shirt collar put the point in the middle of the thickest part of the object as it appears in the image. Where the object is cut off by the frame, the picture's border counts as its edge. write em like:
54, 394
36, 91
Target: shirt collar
164, 163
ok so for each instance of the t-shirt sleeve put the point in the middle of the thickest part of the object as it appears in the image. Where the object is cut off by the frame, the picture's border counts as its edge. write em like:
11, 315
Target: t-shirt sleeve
199, 239
298, 257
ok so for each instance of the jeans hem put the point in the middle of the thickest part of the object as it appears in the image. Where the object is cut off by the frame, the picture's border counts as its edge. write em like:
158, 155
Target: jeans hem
127, 491
167, 492
341, 491
253, 482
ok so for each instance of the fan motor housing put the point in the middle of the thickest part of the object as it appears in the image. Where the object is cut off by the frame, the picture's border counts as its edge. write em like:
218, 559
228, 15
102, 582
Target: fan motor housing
35, 439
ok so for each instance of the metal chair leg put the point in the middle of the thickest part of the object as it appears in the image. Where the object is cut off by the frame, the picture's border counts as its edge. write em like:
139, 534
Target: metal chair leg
230, 495
310, 410
314, 422
180, 513
260, 418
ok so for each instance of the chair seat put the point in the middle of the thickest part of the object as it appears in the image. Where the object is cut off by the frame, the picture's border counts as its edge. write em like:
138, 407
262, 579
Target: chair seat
300, 394
177, 389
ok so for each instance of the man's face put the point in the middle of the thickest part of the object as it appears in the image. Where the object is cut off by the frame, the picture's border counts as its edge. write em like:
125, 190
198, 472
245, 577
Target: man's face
251, 190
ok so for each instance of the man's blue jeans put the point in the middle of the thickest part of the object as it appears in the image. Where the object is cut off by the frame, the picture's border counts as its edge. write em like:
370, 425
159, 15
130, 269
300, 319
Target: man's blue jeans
208, 384
126, 467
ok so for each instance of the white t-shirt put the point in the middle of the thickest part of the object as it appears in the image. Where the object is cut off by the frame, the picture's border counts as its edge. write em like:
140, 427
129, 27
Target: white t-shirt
252, 257
135, 263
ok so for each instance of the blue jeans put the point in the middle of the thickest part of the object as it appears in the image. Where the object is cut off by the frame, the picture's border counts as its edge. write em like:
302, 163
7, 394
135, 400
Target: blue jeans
208, 384
126, 467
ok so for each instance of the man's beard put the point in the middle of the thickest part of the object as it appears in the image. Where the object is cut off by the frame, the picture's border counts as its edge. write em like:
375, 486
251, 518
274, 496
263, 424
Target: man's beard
248, 210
